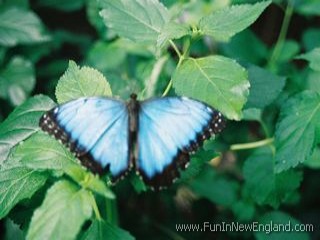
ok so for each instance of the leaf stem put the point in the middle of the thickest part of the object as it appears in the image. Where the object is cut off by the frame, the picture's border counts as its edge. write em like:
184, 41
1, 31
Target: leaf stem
186, 49
175, 48
282, 35
251, 145
95, 207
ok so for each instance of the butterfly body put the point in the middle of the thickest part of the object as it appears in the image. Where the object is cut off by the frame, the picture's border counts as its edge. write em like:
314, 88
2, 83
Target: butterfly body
154, 136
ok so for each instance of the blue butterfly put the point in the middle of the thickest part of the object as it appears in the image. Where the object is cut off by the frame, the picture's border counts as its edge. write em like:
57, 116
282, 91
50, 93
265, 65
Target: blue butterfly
154, 136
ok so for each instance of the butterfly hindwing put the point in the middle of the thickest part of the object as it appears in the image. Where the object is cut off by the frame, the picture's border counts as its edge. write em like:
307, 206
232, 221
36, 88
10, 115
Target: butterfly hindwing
169, 129
96, 129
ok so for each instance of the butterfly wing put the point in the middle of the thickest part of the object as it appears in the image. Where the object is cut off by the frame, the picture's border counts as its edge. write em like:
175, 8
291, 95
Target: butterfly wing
96, 129
169, 129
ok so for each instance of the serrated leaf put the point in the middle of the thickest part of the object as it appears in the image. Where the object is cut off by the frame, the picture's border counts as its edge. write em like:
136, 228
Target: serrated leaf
314, 160
17, 183
276, 218
171, 31
42, 152
138, 20
62, 213
20, 26
81, 82
225, 23
101, 230
264, 185
313, 57
297, 130
17, 77
216, 80
264, 87
22, 123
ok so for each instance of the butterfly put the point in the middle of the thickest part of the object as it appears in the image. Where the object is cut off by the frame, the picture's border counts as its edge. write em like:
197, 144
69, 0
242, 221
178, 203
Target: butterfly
155, 136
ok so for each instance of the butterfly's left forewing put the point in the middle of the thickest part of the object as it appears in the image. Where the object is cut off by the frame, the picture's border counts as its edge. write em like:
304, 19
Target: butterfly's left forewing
169, 129
96, 129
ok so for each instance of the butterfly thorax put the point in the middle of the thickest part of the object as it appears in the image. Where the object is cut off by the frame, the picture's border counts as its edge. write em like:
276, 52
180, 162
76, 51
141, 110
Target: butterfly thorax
133, 109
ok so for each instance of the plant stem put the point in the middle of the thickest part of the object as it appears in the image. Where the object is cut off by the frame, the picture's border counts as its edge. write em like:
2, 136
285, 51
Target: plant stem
186, 48
251, 145
282, 35
175, 48
95, 207
156, 71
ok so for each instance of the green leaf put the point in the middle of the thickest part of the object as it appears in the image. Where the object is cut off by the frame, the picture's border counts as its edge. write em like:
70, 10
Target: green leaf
22, 123
19, 26
42, 152
92, 10
288, 51
197, 164
313, 57
244, 211
237, 48
264, 87
106, 56
101, 230
17, 183
307, 7
70, 5
276, 218
62, 213
17, 80
12, 231
81, 82
264, 185
88, 180
311, 38
252, 114
225, 23
216, 80
297, 130
222, 191
172, 31
314, 160
138, 20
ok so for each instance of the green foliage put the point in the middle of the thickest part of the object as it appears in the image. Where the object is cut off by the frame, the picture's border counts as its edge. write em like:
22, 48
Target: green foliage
216, 74
227, 22
17, 80
66, 207
272, 188
18, 183
313, 57
22, 123
278, 217
265, 87
139, 20
298, 130
264, 167
19, 26
101, 230
83, 82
